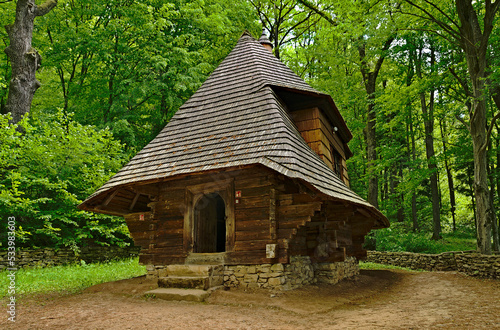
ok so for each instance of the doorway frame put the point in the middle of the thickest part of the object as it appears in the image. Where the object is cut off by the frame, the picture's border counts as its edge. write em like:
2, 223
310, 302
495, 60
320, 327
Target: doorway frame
225, 189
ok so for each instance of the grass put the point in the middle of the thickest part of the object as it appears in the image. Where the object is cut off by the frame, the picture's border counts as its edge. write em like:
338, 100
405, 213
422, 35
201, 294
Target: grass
375, 266
70, 278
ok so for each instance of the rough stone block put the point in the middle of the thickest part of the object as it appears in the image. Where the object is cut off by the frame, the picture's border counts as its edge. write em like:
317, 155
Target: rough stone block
277, 267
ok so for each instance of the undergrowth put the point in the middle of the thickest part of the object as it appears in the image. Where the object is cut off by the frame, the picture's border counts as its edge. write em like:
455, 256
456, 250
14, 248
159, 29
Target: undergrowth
69, 278
399, 238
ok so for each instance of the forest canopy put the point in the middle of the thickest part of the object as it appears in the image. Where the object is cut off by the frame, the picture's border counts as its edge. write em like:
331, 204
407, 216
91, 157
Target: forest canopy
403, 73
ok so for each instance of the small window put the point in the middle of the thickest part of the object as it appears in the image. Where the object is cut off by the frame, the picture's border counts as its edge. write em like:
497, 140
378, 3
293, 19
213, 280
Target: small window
336, 162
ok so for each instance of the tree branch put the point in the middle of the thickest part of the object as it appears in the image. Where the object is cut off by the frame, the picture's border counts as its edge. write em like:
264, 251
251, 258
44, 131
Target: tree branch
45, 7
461, 82
490, 129
380, 60
432, 18
315, 9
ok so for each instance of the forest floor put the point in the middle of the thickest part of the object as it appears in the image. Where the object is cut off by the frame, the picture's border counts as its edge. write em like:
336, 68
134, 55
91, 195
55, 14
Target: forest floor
376, 299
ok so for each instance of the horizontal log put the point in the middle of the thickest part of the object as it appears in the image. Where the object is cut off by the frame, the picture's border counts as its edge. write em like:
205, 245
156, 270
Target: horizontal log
253, 235
251, 225
251, 245
174, 244
253, 202
251, 214
294, 222
299, 210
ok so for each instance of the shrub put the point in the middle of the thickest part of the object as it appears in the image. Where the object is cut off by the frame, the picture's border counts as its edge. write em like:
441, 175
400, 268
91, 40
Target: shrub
50, 169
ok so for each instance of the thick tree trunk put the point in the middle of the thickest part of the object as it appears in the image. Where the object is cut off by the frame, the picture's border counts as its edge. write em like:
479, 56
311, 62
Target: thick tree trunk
484, 212
474, 42
24, 59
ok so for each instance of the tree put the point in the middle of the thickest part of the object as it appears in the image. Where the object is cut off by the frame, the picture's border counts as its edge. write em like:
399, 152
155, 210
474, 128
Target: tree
284, 20
471, 29
25, 60
372, 46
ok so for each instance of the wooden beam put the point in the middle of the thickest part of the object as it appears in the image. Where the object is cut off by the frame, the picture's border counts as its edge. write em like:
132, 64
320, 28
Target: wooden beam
108, 200
136, 197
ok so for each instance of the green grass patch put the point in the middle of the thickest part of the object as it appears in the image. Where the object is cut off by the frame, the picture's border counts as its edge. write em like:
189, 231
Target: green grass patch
70, 278
375, 266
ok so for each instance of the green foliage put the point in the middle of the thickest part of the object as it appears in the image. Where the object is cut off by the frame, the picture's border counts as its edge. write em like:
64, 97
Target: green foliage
70, 278
131, 64
400, 238
50, 169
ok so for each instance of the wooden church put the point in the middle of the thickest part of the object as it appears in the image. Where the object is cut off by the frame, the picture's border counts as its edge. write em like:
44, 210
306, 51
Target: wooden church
250, 172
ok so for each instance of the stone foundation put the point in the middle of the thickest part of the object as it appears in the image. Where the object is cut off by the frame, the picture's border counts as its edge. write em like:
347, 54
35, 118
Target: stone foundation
300, 271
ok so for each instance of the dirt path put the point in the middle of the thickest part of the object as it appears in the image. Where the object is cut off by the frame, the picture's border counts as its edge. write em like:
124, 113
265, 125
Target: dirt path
374, 300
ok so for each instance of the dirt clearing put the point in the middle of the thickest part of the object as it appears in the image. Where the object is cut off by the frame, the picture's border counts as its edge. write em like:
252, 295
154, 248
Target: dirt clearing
376, 299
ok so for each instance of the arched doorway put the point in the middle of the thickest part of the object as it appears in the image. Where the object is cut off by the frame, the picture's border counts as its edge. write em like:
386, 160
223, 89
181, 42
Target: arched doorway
209, 232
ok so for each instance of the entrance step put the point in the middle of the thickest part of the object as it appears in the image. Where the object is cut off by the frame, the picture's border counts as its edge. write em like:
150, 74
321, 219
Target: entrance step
206, 258
179, 294
192, 270
191, 282
200, 277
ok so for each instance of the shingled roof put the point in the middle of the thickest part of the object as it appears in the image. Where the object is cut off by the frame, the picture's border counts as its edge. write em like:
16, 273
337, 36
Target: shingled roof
236, 119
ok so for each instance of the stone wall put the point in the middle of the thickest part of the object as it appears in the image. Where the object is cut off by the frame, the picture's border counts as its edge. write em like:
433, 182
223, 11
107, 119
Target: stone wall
300, 271
52, 257
470, 263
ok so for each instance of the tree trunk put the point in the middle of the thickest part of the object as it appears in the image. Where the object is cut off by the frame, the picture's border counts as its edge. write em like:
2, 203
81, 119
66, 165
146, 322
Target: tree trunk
451, 186
24, 59
428, 116
371, 143
474, 42
496, 243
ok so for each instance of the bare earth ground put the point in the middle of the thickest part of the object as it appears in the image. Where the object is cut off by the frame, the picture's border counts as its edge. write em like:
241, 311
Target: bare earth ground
377, 299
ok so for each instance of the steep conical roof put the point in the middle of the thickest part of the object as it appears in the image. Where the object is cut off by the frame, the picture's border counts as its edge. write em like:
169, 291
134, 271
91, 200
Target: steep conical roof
234, 119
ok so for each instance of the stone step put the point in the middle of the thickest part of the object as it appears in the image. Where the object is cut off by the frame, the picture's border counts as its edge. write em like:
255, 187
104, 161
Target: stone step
191, 282
206, 258
193, 270
179, 294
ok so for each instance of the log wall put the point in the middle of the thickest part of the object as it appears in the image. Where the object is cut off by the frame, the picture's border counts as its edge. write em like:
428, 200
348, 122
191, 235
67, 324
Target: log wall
161, 232
318, 133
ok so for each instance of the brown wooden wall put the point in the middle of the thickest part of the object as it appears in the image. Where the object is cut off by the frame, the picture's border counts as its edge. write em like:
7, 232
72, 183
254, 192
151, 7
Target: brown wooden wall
316, 129
272, 209
161, 233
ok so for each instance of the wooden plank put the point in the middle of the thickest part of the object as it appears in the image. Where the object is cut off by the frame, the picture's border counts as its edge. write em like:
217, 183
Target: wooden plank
253, 202
251, 225
308, 124
272, 214
253, 181
253, 235
251, 245
251, 214
169, 243
294, 222
299, 209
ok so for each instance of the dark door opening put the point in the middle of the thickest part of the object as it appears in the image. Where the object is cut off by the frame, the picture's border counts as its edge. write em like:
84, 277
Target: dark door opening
210, 224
